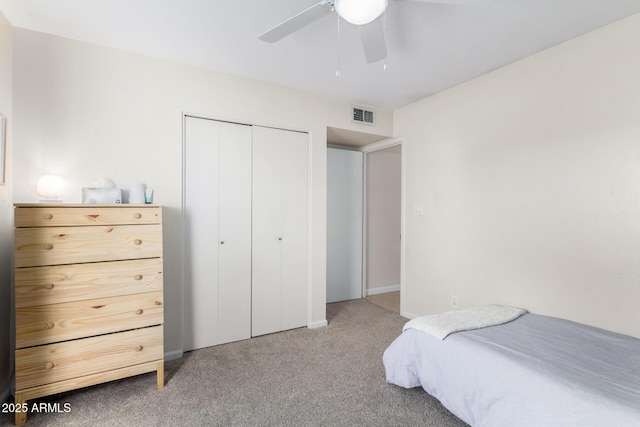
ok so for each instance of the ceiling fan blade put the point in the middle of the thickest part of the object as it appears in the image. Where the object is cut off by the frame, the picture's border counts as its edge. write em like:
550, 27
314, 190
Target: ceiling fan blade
460, 2
373, 42
297, 21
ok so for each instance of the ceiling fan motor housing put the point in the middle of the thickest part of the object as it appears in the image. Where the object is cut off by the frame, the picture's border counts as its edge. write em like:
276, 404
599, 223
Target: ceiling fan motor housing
360, 12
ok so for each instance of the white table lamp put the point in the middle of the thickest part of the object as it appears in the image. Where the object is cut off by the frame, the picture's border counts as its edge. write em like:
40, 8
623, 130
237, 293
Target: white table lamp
51, 187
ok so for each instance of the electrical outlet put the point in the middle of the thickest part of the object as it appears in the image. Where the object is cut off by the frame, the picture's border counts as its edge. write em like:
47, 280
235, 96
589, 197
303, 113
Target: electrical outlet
418, 209
454, 301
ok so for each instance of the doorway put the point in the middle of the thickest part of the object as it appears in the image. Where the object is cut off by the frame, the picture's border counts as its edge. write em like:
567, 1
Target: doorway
374, 261
382, 229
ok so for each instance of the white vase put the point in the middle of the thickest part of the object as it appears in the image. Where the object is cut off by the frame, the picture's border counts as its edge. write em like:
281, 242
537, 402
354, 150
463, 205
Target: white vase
136, 193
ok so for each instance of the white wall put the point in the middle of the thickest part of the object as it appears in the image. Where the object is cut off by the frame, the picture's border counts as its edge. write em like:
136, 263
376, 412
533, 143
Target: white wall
6, 210
383, 220
530, 177
88, 112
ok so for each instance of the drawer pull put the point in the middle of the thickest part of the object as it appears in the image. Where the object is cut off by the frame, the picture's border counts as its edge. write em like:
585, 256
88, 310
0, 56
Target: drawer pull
97, 307
49, 325
138, 348
48, 246
137, 215
138, 277
137, 242
48, 365
47, 216
139, 311
49, 286
158, 302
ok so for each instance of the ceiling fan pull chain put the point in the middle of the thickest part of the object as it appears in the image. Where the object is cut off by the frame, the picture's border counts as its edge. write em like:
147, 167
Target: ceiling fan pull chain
384, 36
338, 74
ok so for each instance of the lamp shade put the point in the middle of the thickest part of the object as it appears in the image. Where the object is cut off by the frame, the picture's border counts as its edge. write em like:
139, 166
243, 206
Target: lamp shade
360, 12
50, 187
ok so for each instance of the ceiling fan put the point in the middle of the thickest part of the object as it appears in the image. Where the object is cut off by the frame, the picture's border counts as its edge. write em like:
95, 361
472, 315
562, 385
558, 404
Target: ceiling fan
365, 14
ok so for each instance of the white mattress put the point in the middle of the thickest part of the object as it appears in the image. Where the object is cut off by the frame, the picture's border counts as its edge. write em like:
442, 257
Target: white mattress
533, 371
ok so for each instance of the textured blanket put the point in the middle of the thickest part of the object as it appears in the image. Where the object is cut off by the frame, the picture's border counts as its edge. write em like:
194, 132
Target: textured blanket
444, 324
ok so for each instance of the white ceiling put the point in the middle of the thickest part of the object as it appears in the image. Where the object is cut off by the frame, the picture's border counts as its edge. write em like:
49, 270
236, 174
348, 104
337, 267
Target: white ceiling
431, 47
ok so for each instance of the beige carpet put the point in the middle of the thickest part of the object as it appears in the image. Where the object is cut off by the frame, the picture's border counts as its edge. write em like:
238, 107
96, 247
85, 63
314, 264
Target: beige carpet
330, 376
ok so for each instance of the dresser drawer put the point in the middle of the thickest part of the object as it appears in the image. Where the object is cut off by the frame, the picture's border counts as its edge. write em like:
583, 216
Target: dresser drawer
77, 282
62, 361
69, 245
85, 215
47, 324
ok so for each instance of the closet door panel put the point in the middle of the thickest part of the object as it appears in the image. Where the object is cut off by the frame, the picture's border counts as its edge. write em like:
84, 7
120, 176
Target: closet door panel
201, 229
344, 224
266, 233
294, 230
234, 242
280, 215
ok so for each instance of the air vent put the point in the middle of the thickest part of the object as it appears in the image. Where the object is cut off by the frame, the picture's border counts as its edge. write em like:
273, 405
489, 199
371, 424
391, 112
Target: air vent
364, 116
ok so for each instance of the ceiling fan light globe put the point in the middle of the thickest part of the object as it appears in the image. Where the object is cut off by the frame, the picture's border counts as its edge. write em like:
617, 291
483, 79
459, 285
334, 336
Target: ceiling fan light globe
360, 12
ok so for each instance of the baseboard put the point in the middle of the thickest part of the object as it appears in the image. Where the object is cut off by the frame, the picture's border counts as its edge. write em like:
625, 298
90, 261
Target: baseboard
384, 290
318, 324
172, 355
408, 315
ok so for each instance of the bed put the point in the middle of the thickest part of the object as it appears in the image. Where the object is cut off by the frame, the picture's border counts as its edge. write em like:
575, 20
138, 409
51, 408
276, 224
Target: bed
531, 371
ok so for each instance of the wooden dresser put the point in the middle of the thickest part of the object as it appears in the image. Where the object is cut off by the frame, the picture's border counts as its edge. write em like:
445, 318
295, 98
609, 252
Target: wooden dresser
88, 297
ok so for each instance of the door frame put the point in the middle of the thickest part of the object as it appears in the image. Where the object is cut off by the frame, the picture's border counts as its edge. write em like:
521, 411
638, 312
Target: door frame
377, 146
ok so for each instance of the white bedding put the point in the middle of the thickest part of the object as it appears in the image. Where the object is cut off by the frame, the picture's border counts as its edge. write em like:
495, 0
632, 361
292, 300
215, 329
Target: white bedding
443, 324
532, 371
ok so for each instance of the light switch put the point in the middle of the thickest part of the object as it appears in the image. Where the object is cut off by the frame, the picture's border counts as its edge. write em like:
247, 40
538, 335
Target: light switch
418, 209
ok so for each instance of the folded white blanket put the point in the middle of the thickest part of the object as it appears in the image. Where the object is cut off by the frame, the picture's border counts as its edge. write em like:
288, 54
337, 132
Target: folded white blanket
444, 324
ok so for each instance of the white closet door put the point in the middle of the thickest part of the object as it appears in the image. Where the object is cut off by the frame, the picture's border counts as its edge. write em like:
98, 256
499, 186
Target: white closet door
217, 210
294, 230
344, 224
266, 234
279, 238
201, 229
234, 260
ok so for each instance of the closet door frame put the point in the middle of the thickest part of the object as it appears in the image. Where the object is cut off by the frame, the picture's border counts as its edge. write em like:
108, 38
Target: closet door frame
183, 242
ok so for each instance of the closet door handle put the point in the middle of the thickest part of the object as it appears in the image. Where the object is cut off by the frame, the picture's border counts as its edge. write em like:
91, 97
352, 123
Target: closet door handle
222, 243
279, 238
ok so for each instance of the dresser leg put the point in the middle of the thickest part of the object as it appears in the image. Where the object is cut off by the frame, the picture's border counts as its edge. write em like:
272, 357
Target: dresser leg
20, 415
161, 375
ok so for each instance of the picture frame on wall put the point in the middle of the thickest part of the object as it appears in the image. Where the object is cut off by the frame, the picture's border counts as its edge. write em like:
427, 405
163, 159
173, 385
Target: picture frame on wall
3, 137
